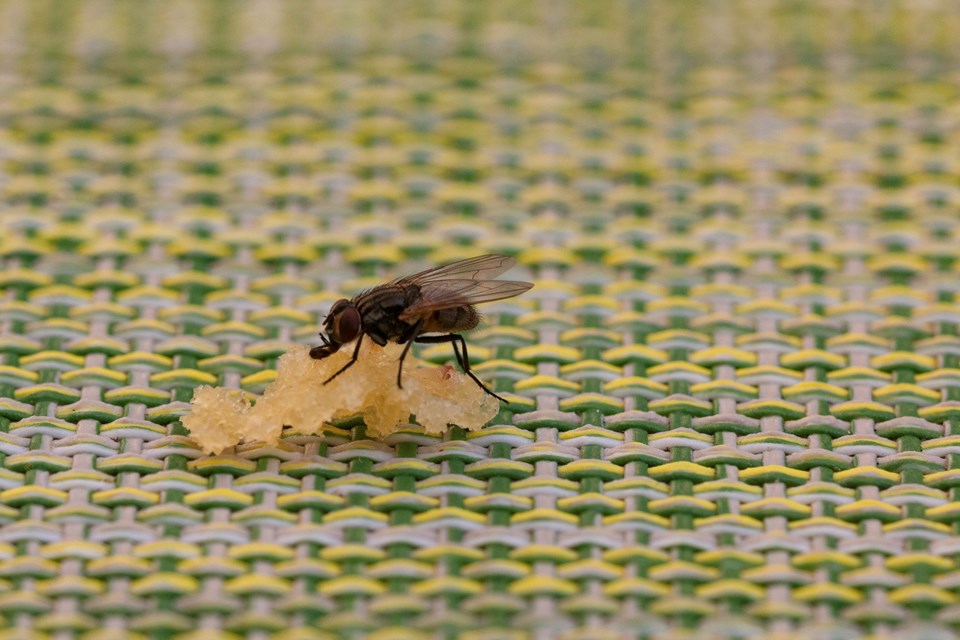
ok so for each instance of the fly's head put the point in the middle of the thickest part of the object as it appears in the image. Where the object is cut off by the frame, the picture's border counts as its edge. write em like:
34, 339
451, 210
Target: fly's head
341, 326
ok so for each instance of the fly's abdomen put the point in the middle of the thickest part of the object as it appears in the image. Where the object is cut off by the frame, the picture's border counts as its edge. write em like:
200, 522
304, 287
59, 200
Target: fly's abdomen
452, 320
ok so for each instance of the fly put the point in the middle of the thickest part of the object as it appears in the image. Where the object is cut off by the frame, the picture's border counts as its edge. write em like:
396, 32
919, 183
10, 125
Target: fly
428, 307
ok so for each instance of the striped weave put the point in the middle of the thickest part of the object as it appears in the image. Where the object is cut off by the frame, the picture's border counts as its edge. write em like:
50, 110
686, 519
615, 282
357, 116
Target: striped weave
734, 392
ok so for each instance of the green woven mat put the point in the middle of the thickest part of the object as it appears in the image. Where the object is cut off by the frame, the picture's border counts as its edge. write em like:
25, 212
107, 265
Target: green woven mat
735, 389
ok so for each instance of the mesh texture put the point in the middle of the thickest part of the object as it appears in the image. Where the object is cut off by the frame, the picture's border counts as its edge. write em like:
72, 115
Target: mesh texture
734, 391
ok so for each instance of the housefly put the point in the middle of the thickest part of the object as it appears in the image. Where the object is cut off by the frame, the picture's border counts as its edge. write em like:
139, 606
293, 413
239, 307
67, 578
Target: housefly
428, 307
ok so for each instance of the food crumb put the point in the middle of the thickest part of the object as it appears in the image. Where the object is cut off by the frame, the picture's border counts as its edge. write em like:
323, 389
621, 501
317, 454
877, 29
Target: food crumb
435, 396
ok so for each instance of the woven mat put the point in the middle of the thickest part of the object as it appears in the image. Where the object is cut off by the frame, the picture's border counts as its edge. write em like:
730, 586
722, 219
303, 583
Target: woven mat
734, 392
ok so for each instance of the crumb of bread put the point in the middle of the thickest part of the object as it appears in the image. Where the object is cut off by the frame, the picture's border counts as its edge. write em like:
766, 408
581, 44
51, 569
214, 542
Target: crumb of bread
435, 396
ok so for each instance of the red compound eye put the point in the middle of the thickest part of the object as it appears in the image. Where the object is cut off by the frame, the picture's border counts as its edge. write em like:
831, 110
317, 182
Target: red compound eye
347, 324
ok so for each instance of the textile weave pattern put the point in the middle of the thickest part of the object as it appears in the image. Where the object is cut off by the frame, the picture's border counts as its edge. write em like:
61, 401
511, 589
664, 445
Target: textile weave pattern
734, 392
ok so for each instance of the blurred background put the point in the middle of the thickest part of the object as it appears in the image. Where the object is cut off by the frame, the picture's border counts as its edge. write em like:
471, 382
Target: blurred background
733, 391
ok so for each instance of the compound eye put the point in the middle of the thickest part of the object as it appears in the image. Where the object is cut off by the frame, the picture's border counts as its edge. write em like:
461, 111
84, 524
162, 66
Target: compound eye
335, 310
348, 324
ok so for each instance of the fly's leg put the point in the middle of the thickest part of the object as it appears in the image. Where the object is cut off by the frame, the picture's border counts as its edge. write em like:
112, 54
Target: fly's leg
462, 359
356, 354
414, 331
456, 353
465, 363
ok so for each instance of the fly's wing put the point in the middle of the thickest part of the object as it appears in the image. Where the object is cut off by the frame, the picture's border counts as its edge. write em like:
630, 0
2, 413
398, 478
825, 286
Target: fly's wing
480, 268
445, 294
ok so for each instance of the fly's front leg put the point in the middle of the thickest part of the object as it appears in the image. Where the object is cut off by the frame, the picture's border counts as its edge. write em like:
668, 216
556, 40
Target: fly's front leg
462, 359
356, 354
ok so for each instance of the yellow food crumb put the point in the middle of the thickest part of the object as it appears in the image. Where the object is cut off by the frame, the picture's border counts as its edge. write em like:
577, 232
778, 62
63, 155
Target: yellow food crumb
435, 396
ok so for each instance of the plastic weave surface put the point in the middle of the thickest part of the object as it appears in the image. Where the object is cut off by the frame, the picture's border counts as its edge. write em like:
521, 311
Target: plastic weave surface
734, 391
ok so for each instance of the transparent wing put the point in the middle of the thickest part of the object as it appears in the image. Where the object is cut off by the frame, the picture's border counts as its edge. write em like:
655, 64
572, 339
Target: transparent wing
457, 293
479, 268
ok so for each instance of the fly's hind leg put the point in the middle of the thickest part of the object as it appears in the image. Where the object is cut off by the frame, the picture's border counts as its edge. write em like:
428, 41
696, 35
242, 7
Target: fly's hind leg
465, 363
462, 358
356, 354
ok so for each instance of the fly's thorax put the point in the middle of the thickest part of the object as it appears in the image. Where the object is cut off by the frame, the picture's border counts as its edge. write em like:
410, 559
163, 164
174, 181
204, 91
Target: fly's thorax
387, 298
380, 310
